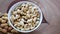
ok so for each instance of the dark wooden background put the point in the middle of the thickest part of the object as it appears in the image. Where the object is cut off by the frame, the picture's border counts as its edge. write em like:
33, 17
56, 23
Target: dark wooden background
51, 11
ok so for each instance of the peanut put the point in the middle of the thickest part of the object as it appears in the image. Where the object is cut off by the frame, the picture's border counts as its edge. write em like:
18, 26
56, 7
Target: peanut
5, 14
10, 28
9, 33
3, 25
13, 30
4, 30
0, 29
5, 18
6, 27
3, 21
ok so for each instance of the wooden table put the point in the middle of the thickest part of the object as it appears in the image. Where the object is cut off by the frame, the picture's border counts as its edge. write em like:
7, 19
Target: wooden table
51, 11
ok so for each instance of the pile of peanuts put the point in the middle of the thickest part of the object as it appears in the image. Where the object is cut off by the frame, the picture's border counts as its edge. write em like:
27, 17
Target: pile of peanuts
5, 28
25, 17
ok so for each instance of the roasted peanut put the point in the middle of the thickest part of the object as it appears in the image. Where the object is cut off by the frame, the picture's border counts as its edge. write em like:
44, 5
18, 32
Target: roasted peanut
9, 33
6, 27
4, 30
10, 28
13, 30
3, 21
3, 25
0, 29
5, 18
5, 15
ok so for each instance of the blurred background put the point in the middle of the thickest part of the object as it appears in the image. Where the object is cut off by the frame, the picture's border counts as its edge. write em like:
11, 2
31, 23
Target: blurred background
50, 9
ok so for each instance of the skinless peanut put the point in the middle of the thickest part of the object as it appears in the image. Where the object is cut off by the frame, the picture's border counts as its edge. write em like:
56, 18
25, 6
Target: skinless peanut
18, 28
38, 15
8, 24
29, 20
21, 22
31, 14
28, 12
30, 4
37, 22
34, 8
35, 18
28, 15
4, 30
23, 5
31, 27
17, 8
19, 11
36, 11
12, 18
24, 17
17, 16
30, 7
25, 25
26, 28
24, 13
29, 23
34, 15
16, 22
22, 8
18, 25
22, 29
38, 18
26, 5
14, 12
25, 9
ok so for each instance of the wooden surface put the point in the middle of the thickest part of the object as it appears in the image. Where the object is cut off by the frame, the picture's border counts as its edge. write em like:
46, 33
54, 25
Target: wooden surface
51, 11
